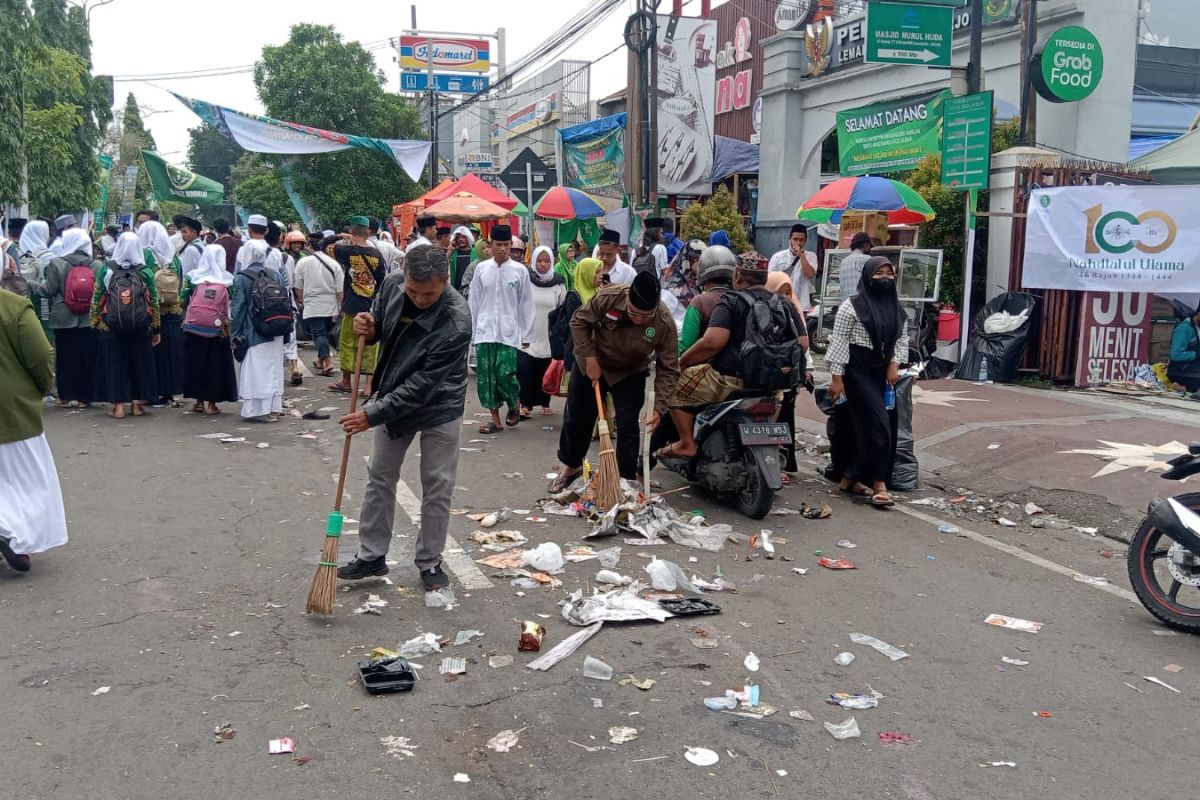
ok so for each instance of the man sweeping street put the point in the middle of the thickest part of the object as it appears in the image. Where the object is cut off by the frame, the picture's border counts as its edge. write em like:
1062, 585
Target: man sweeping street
424, 333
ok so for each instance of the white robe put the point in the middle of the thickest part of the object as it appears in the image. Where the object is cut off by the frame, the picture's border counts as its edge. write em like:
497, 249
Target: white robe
621, 273
501, 302
261, 386
32, 517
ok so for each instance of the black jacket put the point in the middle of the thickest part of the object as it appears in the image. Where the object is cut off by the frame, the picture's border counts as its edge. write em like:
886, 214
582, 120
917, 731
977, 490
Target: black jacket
421, 376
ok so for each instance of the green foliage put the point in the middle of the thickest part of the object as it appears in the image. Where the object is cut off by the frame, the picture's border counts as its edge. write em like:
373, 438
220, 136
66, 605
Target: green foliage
13, 22
718, 213
53, 187
212, 154
259, 188
134, 139
317, 79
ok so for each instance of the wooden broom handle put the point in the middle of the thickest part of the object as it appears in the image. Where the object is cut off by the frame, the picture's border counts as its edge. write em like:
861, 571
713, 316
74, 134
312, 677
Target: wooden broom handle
358, 357
599, 399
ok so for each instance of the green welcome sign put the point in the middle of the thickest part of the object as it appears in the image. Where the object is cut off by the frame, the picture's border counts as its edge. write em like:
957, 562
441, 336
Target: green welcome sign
1068, 67
890, 136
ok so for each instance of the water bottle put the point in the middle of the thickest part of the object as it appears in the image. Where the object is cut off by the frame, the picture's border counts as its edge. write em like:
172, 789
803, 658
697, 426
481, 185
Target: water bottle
983, 370
889, 398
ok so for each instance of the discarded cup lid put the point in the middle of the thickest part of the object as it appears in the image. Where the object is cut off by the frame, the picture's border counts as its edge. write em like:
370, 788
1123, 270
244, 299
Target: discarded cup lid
701, 756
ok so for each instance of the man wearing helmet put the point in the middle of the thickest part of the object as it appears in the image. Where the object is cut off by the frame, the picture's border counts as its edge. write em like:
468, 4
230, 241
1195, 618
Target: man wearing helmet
714, 278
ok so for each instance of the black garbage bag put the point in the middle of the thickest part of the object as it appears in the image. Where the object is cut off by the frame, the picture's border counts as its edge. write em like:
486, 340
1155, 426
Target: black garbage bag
904, 467
937, 368
1002, 350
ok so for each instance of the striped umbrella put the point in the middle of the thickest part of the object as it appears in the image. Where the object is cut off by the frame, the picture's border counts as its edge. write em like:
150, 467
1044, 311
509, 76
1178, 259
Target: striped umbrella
902, 203
562, 202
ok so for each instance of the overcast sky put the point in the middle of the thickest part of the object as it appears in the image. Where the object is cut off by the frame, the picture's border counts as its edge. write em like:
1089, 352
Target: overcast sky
143, 37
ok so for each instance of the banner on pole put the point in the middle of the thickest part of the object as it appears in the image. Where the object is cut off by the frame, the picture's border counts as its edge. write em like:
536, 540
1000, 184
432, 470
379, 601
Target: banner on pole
593, 156
1113, 239
261, 134
308, 216
685, 98
106, 164
170, 182
889, 136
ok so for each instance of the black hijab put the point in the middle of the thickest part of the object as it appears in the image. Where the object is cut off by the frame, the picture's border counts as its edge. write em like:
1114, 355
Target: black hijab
878, 309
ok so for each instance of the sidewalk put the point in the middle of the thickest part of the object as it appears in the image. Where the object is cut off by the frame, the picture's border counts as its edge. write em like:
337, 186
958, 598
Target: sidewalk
1003, 438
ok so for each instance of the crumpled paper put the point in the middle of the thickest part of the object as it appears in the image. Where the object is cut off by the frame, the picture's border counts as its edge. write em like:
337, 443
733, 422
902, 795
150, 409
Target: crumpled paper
655, 520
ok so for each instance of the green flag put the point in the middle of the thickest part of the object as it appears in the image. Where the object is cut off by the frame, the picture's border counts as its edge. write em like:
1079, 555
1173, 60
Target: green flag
176, 183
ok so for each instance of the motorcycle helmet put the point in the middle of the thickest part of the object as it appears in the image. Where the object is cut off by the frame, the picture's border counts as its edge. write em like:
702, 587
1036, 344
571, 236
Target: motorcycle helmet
716, 264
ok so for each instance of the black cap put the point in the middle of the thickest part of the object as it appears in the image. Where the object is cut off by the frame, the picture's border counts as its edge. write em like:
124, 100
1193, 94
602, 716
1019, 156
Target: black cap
859, 240
501, 233
189, 222
654, 222
610, 236
425, 222
645, 292
799, 227
443, 231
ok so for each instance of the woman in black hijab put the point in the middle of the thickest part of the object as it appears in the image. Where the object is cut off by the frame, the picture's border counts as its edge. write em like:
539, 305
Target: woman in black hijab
866, 348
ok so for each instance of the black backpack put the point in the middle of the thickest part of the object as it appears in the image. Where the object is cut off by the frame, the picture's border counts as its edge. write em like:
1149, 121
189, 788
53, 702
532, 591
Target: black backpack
270, 305
771, 357
644, 261
126, 301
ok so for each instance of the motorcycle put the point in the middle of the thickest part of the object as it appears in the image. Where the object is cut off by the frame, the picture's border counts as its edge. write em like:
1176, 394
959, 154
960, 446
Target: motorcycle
1164, 556
738, 445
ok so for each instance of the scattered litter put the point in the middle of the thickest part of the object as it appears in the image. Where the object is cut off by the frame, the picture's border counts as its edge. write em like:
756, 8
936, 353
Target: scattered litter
462, 777
888, 737
1155, 680
453, 666
763, 542
563, 649
1106, 553
801, 714
462, 637
224, 732
597, 702
493, 519
596, 669
1164, 633
212, 436
442, 598
845, 730
278, 746
498, 541
816, 512
387, 675
1131, 686
420, 645
1087, 530
506, 560
1016, 662
471, 449
645, 684
998, 764
994, 446
512, 475
849, 545
784, 512
643, 542
726, 703
613, 578
947, 529
836, 563
233, 439
1013, 623
616, 605
1173, 668
701, 756
800, 570
621, 734
302, 707
531, 637
398, 746
704, 644
881, 647
1006, 522
102, 690
504, 741
234, 634
1034, 508
372, 605
844, 659
751, 662
656, 519
1090, 580
496, 662
856, 702
262, 445
546, 557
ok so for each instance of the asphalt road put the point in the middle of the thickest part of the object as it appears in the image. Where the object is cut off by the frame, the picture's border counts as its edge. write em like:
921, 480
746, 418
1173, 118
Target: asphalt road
183, 589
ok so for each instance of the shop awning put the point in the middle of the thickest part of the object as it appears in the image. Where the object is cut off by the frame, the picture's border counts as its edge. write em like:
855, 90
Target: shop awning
732, 156
1175, 163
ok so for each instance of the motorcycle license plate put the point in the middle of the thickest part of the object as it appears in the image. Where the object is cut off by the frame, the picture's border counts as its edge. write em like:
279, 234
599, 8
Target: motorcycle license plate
767, 433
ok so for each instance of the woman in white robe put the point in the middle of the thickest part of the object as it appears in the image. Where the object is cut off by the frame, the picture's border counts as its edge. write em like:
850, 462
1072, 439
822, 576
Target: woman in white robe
260, 386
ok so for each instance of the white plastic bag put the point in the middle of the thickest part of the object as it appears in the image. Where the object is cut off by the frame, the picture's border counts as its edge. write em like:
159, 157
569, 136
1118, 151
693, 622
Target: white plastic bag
660, 575
546, 557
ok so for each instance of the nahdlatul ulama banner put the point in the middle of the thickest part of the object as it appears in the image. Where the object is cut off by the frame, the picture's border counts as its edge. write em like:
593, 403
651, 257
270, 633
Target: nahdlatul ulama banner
1113, 239
593, 156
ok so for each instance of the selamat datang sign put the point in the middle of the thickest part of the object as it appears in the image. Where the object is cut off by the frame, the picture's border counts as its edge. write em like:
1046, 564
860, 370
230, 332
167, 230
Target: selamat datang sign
463, 55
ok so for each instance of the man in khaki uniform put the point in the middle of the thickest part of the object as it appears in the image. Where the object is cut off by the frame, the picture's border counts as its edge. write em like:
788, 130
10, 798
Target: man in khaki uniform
615, 334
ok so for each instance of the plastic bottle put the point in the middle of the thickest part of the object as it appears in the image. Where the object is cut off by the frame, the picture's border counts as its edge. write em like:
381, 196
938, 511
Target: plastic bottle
983, 370
889, 398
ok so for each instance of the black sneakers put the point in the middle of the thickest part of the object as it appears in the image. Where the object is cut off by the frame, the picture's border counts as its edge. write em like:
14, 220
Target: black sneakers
20, 563
434, 579
359, 569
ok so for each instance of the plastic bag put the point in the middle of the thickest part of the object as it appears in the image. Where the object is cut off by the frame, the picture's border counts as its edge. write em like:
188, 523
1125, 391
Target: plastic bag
1002, 350
660, 576
846, 730
905, 470
1004, 322
546, 557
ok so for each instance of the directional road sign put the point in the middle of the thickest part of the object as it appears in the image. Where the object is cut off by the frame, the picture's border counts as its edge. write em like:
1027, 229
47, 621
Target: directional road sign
967, 141
443, 83
540, 178
909, 34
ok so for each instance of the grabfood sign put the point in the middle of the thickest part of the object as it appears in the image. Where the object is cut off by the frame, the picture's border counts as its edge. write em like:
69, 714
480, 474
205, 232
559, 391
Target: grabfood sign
1068, 67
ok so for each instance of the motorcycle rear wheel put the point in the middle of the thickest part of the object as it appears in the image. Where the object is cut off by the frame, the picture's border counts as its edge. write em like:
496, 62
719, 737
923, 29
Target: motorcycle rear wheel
1147, 565
755, 498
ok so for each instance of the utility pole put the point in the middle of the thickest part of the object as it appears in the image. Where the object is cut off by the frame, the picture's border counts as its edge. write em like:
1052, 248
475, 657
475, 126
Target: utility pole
974, 85
498, 107
433, 119
1029, 37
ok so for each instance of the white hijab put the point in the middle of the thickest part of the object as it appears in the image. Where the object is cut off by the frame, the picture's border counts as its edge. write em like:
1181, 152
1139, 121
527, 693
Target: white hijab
76, 240
35, 239
153, 236
465, 231
255, 251
211, 268
127, 253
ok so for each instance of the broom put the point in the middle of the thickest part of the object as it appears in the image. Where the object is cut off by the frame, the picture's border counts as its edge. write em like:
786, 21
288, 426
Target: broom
324, 585
606, 484
646, 440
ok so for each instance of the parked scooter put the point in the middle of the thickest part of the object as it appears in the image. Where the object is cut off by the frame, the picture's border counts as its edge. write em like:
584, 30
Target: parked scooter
737, 455
1164, 556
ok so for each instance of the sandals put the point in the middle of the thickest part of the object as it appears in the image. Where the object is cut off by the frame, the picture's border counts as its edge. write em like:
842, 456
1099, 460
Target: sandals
669, 452
512, 419
198, 408
339, 388
856, 489
526, 414
547, 411
882, 499
561, 482
297, 379
490, 427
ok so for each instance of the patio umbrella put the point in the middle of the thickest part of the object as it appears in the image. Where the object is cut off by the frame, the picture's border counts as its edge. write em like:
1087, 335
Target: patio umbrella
465, 207
902, 203
564, 203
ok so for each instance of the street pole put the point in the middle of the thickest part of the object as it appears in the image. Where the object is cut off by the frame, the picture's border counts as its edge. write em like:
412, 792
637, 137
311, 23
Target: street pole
974, 85
497, 109
528, 205
433, 120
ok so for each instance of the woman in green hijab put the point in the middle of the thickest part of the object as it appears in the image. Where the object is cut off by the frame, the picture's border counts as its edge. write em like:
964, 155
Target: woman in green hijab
482, 251
565, 266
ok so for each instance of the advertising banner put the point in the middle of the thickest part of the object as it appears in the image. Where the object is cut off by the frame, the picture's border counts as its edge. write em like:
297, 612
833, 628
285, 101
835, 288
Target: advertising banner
463, 55
593, 157
1113, 239
1114, 337
890, 136
170, 182
686, 104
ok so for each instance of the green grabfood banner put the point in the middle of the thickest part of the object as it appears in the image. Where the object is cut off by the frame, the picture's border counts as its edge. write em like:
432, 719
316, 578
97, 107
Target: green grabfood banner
170, 182
890, 136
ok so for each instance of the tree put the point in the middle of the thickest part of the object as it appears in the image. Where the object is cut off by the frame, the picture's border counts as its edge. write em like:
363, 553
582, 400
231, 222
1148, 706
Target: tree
718, 213
317, 79
212, 154
259, 188
132, 139
14, 19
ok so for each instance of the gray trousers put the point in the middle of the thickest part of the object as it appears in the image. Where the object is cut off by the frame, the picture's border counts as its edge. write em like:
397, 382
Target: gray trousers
439, 467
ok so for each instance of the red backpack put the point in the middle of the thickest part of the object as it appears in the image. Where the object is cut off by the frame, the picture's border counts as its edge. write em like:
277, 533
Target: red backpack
78, 288
207, 311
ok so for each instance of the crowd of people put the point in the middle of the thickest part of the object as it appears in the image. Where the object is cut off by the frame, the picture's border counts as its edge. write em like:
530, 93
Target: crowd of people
158, 314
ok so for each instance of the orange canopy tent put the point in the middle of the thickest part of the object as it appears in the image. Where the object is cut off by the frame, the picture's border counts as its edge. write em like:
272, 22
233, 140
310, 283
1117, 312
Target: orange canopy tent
465, 207
476, 186
404, 215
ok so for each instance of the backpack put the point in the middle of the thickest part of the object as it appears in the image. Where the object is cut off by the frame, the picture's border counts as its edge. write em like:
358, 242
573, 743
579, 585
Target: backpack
78, 288
14, 282
644, 261
207, 311
771, 357
270, 304
166, 280
126, 303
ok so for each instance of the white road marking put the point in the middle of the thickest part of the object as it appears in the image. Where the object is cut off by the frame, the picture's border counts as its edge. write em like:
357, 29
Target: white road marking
468, 574
1017, 552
